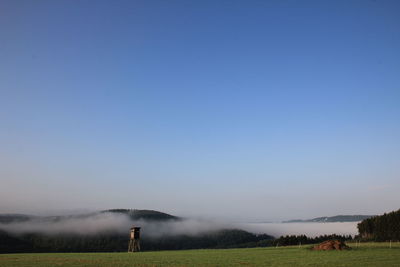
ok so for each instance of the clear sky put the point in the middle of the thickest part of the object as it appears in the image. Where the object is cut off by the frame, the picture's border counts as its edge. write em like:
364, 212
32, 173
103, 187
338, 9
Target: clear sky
248, 110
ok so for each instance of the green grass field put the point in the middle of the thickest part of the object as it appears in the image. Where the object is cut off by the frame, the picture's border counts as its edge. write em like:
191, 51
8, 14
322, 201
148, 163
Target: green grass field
368, 254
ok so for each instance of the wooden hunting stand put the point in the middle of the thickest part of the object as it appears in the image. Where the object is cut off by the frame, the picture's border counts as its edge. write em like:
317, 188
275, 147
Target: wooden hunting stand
134, 242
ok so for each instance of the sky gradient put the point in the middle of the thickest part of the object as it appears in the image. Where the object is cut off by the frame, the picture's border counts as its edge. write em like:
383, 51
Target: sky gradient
247, 110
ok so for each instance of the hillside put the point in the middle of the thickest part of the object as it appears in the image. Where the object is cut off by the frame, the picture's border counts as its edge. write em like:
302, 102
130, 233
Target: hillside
108, 231
10, 218
337, 218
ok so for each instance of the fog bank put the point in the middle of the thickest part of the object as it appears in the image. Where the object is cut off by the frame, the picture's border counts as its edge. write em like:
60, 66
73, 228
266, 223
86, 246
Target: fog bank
110, 222
121, 223
87, 225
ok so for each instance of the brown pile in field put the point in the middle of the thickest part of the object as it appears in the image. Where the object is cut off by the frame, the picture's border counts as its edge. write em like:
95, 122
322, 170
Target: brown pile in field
331, 245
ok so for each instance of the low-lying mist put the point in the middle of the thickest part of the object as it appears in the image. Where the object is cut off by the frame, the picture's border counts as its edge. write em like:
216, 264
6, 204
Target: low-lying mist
181, 227
117, 223
88, 225
110, 223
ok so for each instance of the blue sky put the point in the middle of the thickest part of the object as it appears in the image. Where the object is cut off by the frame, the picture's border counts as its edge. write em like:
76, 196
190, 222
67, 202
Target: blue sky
249, 110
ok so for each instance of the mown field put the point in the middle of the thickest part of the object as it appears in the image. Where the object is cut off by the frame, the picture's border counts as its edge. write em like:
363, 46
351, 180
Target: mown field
367, 254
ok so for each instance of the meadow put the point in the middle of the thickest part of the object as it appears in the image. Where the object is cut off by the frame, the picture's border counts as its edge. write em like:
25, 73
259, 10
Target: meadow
366, 254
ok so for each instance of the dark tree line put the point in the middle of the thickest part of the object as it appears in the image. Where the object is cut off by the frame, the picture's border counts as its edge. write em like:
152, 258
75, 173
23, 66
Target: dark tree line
381, 228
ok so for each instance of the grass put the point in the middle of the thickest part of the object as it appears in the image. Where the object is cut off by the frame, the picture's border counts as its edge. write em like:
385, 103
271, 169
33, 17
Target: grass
366, 254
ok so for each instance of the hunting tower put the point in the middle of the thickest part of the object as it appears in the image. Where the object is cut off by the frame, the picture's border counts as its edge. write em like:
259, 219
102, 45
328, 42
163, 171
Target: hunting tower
134, 242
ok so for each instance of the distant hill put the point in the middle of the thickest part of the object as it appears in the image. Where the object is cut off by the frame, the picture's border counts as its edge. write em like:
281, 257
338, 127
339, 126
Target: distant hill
13, 218
337, 218
148, 215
